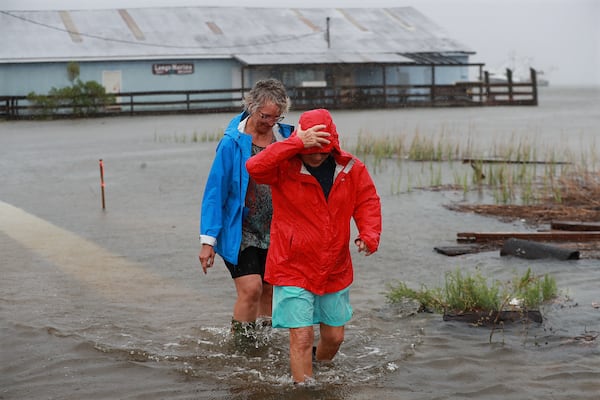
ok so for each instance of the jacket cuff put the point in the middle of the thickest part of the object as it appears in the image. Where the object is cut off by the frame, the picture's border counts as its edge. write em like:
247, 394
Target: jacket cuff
205, 239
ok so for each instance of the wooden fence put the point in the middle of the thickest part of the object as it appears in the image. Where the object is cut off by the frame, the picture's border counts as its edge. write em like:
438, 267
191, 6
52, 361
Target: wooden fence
461, 94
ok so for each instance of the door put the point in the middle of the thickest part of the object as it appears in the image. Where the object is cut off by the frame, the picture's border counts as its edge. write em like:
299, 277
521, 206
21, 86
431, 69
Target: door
111, 80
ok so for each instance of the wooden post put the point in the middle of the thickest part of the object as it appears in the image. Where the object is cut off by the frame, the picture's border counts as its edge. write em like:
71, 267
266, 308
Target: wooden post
533, 78
383, 70
432, 90
489, 97
102, 183
509, 80
14, 108
328, 32
480, 85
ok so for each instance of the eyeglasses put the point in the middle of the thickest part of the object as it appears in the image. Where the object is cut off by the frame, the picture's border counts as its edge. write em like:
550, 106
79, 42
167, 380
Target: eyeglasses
271, 118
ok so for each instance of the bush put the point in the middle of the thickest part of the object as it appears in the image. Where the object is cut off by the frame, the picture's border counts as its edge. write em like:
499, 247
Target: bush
82, 98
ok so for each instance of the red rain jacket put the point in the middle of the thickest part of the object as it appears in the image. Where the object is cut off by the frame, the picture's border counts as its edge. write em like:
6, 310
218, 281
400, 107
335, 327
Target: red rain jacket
310, 235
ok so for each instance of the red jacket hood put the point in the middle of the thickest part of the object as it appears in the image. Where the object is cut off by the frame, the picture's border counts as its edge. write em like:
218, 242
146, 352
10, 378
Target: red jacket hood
320, 116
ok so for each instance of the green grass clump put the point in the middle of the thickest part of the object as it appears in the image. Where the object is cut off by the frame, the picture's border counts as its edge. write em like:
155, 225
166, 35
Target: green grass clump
473, 292
535, 290
470, 292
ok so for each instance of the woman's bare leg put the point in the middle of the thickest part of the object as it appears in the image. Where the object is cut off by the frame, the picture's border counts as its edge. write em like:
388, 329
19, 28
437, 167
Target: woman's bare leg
301, 343
330, 340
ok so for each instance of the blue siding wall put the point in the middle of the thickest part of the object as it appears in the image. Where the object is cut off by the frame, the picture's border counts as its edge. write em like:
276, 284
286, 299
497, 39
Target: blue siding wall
21, 79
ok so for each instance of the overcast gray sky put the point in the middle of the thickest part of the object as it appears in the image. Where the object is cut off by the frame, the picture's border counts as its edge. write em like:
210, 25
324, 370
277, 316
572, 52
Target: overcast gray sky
560, 37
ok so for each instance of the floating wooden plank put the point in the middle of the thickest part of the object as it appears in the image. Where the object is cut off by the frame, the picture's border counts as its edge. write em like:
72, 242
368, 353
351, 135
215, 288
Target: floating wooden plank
494, 317
531, 250
504, 161
456, 250
575, 226
553, 236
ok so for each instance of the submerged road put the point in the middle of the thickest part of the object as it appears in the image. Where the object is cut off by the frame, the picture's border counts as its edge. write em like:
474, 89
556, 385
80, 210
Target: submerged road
110, 274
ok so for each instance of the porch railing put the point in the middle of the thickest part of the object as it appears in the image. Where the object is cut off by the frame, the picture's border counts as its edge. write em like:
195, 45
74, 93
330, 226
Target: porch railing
483, 92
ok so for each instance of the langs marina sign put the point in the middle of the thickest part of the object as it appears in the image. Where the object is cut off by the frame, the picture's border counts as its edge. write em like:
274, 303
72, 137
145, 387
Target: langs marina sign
172, 69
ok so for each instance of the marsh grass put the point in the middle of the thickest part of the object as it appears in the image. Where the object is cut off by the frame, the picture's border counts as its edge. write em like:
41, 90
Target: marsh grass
465, 292
194, 137
521, 171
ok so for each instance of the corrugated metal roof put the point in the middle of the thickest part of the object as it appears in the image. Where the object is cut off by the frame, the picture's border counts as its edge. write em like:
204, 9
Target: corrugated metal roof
321, 58
252, 35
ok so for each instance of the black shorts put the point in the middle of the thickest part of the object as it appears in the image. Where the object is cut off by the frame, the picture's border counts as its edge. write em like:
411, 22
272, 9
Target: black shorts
251, 261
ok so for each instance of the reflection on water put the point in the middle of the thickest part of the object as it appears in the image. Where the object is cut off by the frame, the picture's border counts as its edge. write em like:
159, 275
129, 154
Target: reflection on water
113, 304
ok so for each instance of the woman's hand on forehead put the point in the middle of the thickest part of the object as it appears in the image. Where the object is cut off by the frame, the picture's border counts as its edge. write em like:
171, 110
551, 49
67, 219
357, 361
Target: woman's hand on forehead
314, 136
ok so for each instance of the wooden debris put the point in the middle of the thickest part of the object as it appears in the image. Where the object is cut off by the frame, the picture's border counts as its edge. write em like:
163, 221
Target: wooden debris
494, 317
587, 337
536, 214
456, 250
575, 226
504, 161
552, 236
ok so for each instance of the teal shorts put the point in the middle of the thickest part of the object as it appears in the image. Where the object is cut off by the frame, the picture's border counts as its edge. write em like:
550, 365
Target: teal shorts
294, 307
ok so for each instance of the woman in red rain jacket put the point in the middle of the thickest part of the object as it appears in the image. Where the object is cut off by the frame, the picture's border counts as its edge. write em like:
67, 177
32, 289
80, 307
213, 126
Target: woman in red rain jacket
317, 188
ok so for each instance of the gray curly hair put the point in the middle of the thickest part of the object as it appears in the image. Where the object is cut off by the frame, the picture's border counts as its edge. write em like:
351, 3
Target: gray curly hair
265, 91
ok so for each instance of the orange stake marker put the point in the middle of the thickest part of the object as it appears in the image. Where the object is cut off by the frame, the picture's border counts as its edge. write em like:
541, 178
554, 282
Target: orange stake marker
102, 183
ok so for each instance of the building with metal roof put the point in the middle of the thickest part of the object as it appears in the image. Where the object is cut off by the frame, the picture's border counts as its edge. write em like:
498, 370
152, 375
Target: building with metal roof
232, 38
210, 48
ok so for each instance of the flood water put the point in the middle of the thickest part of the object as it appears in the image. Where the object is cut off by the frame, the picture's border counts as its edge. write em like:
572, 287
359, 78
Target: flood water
112, 304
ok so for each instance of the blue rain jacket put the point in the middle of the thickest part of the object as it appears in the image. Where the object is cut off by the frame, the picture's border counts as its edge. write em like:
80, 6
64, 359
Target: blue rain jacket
223, 204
